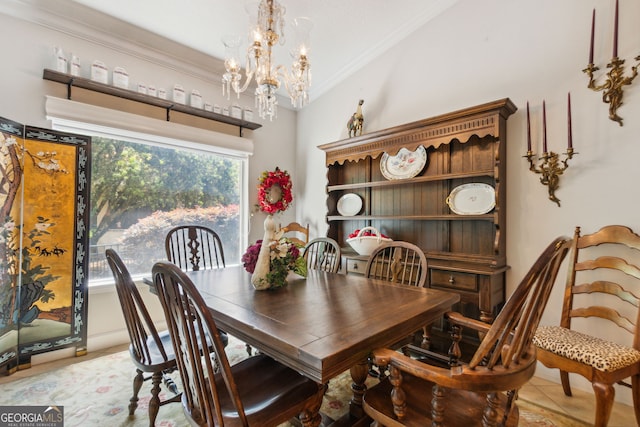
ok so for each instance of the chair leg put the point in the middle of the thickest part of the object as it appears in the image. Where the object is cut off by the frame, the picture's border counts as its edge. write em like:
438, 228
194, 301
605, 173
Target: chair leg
426, 337
564, 379
511, 396
154, 403
491, 413
605, 393
437, 406
635, 391
169, 383
138, 380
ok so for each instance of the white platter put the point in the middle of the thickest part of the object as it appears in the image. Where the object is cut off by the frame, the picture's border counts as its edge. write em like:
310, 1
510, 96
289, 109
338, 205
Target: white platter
472, 199
349, 204
405, 164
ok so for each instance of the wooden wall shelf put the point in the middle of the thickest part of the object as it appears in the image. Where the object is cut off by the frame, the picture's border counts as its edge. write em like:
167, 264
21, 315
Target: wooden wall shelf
419, 179
168, 105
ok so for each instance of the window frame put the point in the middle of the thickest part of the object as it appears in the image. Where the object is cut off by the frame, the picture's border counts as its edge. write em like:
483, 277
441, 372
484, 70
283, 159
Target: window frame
85, 119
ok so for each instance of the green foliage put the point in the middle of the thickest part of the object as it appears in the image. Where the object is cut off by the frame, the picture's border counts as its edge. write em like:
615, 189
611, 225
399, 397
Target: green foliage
130, 181
144, 241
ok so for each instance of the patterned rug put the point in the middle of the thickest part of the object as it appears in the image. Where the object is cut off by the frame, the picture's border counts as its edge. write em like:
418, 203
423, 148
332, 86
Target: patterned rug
97, 392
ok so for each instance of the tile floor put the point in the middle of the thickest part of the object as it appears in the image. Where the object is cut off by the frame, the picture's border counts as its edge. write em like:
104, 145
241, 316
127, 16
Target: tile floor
538, 390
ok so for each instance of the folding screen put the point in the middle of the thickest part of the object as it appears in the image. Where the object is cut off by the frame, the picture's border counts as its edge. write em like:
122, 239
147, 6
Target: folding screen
44, 202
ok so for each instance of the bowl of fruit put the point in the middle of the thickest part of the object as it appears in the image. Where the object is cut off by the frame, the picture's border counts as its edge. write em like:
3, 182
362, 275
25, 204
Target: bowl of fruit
366, 239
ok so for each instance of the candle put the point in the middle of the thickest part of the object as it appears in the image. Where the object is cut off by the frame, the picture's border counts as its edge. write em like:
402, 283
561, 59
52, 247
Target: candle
544, 128
528, 129
615, 33
570, 142
593, 28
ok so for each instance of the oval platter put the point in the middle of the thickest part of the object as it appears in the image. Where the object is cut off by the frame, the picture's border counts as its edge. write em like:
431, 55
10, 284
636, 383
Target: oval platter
406, 164
474, 198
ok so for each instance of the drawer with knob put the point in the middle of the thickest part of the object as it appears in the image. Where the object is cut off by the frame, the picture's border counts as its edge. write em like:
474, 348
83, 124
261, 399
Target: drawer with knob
454, 280
355, 266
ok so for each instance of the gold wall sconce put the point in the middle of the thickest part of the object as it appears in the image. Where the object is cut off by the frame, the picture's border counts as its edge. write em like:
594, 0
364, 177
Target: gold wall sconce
613, 86
549, 165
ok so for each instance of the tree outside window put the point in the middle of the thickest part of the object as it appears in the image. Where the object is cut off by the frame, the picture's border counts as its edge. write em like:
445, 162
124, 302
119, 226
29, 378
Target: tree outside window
140, 191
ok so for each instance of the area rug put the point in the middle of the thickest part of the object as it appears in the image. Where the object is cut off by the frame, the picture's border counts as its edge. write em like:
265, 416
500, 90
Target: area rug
97, 392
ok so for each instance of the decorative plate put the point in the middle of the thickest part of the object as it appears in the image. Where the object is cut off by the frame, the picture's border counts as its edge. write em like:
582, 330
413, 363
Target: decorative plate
405, 164
472, 199
349, 204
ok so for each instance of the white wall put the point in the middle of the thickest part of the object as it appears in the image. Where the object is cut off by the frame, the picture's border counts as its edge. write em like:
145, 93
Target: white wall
29, 36
480, 51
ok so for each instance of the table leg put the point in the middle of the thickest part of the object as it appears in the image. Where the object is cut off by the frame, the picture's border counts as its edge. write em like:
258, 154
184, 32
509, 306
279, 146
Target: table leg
359, 375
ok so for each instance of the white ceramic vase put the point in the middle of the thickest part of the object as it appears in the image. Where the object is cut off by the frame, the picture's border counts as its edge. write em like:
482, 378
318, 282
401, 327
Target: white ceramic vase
259, 276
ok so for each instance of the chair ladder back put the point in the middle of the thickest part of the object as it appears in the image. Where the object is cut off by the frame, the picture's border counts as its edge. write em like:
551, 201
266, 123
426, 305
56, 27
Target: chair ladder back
194, 247
297, 229
581, 283
189, 322
139, 324
511, 334
603, 285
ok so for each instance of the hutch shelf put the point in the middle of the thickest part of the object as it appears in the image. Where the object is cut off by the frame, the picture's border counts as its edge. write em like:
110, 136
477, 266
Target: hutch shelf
466, 253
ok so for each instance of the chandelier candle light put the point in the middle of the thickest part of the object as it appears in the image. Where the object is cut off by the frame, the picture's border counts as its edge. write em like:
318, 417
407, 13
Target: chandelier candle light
267, 29
550, 167
612, 88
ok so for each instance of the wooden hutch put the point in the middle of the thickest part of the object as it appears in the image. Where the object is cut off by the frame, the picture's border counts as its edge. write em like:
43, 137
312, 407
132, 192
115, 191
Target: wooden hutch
466, 253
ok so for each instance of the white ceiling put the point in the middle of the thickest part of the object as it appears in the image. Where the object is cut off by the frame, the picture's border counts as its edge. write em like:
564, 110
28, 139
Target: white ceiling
346, 33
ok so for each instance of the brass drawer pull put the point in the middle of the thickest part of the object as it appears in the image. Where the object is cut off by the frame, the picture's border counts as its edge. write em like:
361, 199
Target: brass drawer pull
451, 280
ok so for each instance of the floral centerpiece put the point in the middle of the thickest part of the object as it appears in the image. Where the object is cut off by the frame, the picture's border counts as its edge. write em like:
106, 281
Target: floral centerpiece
270, 260
284, 256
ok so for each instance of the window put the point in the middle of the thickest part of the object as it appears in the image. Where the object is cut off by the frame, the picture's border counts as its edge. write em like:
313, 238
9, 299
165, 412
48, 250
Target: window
140, 191
142, 185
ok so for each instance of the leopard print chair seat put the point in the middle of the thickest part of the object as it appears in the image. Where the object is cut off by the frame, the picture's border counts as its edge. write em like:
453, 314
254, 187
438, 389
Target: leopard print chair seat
598, 353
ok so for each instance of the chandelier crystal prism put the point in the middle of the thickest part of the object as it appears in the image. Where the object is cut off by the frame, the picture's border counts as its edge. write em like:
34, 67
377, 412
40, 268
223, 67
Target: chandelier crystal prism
267, 30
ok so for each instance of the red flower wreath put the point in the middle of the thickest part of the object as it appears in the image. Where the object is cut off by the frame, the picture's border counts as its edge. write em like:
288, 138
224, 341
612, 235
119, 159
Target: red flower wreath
269, 200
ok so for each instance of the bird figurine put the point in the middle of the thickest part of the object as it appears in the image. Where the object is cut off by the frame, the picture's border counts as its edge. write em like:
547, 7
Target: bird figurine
354, 125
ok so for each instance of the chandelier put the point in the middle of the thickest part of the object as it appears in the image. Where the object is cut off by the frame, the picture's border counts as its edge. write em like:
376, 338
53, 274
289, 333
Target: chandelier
267, 29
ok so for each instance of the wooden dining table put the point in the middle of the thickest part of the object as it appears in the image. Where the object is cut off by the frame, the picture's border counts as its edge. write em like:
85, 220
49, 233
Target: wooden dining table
322, 324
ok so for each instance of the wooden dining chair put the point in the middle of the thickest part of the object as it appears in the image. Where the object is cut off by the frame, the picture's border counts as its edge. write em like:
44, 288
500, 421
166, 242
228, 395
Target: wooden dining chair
194, 247
294, 230
257, 391
403, 263
484, 389
151, 351
603, 283
398, 262
323, 253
